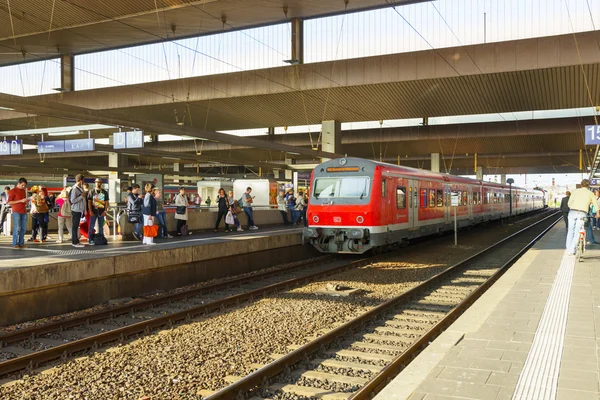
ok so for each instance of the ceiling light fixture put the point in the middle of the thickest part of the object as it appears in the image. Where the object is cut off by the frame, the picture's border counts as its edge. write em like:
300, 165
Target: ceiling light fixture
70, 133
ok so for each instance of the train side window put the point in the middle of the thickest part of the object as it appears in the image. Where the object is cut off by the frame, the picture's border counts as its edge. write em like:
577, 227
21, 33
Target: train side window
431, 198
401, 197
423, 198
464, 198
383, 188
440, 198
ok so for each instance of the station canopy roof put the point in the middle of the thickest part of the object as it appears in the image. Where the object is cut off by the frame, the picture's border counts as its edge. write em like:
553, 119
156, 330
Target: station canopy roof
82, 26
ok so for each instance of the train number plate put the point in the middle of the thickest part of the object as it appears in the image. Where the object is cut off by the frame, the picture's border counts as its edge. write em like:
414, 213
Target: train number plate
337, 220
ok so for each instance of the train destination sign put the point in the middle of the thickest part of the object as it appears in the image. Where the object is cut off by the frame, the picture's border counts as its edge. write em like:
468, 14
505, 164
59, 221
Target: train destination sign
11, 147
592, 134
128, 140
66, 146
342, 169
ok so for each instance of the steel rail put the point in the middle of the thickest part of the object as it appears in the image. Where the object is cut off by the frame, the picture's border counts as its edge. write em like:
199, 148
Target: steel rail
37, 331
282, 364
31, 361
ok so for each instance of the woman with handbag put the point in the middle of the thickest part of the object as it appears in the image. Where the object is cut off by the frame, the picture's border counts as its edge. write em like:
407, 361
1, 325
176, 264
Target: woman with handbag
38, 209
223, 207
234, 210
181, 212
149, 213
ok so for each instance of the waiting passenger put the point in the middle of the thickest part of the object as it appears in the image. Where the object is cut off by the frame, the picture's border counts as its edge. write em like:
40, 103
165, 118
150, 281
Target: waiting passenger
300, 209
65, 216
234, 208
134, 211
223, 209
38, 210
149, 211
77, 199
281, 206
564, 208
161, 215
97, 204
579, 204
247, 201
5, 207
17, 200
181, 212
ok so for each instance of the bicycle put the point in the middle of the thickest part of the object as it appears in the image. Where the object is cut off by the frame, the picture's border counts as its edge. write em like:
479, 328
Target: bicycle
582, 238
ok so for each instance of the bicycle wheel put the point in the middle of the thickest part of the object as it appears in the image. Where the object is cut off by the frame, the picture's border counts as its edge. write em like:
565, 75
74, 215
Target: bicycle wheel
580, 249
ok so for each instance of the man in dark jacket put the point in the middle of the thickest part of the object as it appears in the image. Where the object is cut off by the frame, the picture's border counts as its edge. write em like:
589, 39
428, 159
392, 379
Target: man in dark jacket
134, 206
564, 208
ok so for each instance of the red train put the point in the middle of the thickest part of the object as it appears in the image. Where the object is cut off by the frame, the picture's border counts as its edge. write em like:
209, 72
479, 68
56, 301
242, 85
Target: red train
357, 205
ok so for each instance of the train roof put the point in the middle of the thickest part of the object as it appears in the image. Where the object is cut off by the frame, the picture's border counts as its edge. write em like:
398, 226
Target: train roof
417, 173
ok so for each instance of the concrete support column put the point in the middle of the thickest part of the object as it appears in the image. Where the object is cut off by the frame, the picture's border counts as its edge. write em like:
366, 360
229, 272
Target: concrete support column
479, 173
175, 170
297, 40
435, 162
67, 72
503, 179
115, 160
332, 136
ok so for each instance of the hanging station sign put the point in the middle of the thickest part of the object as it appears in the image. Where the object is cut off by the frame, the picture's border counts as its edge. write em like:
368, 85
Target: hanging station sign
11, 147
66, 146
128, 140
592, 134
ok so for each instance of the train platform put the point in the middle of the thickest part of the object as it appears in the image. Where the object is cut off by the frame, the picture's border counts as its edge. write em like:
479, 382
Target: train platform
535, 334
50, 278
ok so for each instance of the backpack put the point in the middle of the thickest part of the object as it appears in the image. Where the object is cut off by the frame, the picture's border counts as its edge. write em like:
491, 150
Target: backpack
100, 240
184, 230
40, 204
65, 209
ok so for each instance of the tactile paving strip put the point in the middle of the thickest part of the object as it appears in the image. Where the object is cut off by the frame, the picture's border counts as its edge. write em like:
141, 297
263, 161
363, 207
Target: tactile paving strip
539, 377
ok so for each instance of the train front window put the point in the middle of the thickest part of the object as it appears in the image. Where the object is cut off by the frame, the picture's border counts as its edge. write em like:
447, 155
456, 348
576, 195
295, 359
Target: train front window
342, 187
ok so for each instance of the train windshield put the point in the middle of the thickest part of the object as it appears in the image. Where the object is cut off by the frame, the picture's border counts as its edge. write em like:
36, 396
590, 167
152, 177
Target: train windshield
342, 187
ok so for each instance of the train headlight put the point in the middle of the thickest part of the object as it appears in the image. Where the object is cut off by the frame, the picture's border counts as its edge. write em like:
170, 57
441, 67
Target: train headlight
356, 233
316, 219
360, 219
310, 233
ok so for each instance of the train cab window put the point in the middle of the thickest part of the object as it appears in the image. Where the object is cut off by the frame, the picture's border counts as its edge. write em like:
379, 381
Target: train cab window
440, 198
383, 188
342, 187
423, 198
401, 197
432, 200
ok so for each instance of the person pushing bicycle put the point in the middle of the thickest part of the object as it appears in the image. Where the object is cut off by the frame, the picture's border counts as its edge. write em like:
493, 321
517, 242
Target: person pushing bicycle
579, 203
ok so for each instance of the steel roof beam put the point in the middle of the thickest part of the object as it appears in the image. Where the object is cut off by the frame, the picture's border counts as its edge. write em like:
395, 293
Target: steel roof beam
42, 107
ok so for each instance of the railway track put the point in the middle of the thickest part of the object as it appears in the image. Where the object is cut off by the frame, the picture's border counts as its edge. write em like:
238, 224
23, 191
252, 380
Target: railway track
30, 348
355, 360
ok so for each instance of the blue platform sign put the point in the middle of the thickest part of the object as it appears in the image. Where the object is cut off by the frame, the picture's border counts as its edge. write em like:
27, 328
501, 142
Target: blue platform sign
592, 134
11, 147
57, 146
79, 145
593, 182
128, 140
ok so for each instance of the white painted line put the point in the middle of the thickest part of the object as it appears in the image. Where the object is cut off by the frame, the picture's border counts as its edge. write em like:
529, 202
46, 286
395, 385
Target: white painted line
539, 378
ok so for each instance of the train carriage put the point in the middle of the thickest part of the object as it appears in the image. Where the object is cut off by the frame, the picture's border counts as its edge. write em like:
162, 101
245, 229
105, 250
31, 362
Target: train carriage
357, 205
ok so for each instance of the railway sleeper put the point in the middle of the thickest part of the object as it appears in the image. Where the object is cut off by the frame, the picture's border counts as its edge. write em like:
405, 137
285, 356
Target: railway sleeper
337, 364
384, 359
309, 392
389, 338
373, 347
328, 377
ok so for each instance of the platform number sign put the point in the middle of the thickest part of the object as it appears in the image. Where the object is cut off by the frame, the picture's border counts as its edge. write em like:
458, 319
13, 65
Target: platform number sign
11, 147
592, 134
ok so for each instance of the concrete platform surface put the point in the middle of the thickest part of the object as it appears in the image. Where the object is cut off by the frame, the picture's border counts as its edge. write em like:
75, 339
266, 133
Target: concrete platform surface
535, 334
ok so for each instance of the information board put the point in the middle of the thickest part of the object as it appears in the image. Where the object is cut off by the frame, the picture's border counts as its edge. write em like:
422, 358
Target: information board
454, 201
11, 147
57, 146
79, 145
592, 134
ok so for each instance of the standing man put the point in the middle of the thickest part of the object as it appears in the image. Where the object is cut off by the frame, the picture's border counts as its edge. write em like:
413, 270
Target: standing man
97, 199
281, 206
78, 205
5, 207
17, 200
564, 208
579, 204
134, 207
247, 201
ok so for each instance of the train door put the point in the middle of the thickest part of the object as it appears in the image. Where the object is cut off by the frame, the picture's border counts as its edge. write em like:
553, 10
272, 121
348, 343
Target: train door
413, 204
447, 212
470, 202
